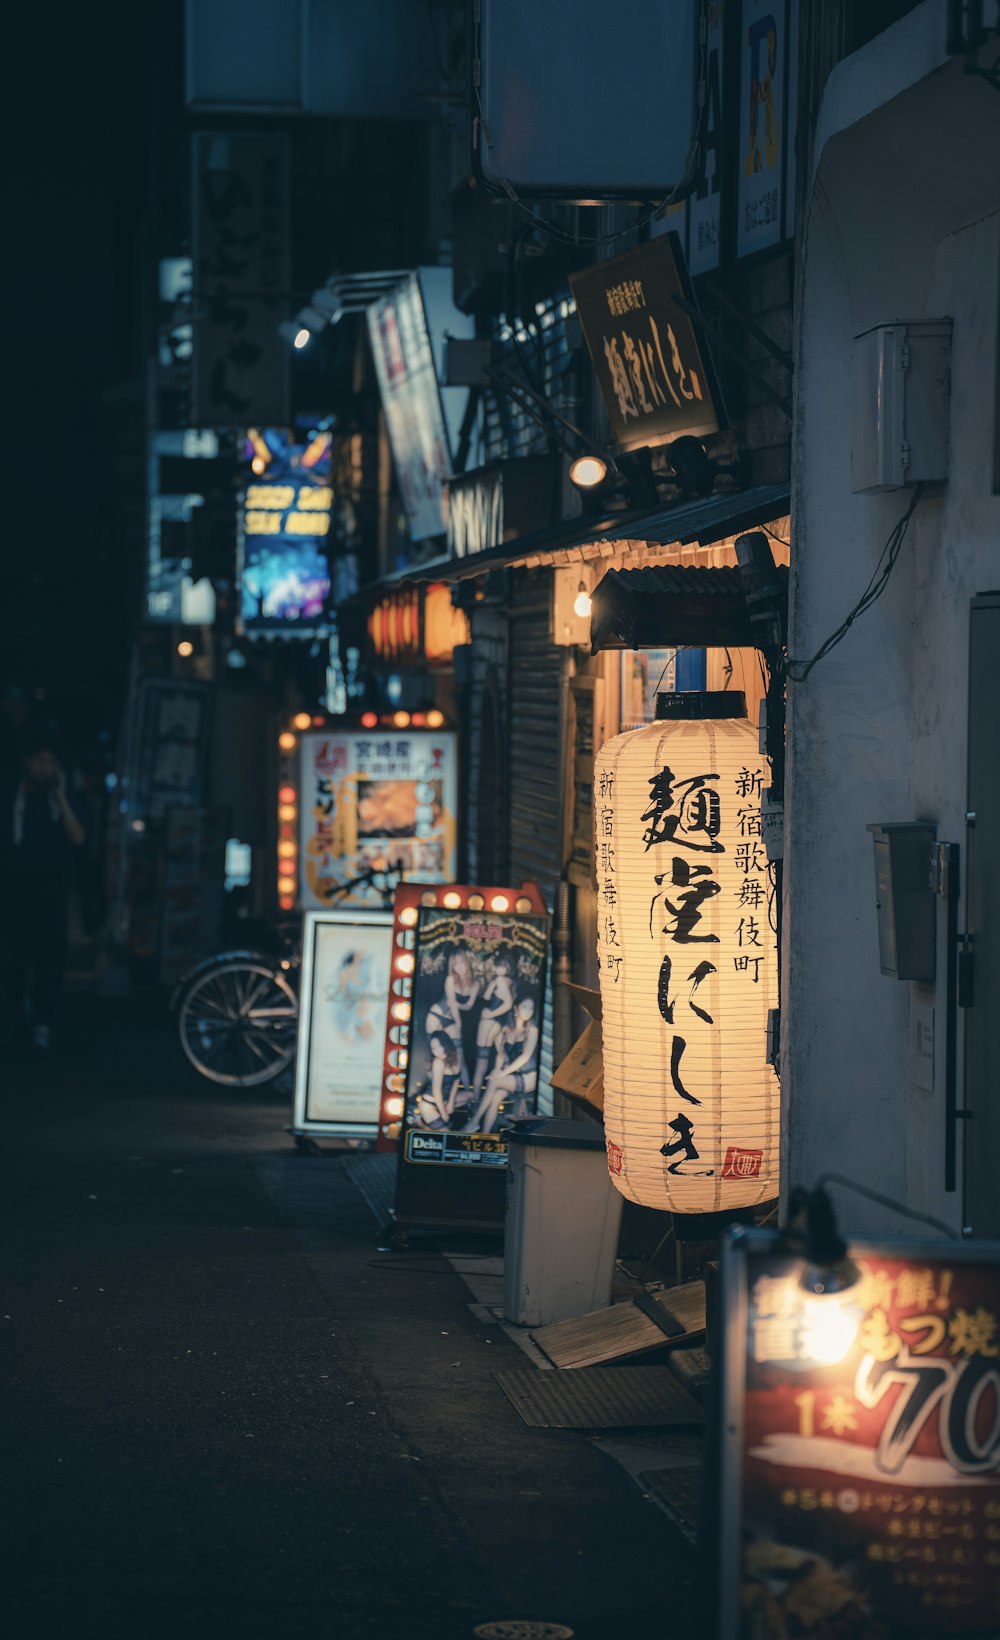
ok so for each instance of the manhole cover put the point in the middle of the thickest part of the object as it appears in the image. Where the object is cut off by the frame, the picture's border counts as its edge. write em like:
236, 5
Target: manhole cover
523, 1629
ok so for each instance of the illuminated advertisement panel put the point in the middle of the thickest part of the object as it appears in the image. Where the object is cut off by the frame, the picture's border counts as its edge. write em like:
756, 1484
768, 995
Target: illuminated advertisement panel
383, 798
284, 571
345, 989
860, 1489
478, 991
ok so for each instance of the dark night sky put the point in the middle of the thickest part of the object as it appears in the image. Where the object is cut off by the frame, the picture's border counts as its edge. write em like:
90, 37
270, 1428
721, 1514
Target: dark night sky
76, 149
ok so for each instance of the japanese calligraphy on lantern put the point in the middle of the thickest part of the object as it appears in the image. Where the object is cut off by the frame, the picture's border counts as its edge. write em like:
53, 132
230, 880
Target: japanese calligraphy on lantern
656, 380
382, 799
861, 1481
240, 231
687, 961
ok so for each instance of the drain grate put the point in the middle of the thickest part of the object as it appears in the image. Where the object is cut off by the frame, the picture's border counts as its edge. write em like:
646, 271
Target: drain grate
600, 1398
523, 1629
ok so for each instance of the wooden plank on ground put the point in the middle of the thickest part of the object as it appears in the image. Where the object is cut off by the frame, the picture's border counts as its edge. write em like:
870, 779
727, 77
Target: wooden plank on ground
624, 1329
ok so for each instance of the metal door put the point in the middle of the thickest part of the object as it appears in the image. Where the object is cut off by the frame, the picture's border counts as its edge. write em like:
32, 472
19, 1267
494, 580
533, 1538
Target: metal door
982, 1019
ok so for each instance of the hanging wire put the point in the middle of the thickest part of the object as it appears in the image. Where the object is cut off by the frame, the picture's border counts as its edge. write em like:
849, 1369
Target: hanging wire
799, 671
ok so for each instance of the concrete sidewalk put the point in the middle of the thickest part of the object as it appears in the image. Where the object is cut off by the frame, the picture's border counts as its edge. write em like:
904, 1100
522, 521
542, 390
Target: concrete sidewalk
230, 1415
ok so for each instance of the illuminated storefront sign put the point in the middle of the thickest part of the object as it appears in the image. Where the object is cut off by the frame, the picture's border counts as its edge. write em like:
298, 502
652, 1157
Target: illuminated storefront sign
383, 798
860, 1490
284, 572
417, 625
656, 380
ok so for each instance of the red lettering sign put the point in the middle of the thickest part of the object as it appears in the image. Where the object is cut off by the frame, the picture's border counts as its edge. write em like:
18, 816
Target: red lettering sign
616, 1158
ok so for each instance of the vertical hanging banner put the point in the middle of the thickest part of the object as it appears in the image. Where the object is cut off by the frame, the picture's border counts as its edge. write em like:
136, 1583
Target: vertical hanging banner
859, 1491
383, 798
241, 285
764, 126
704, 207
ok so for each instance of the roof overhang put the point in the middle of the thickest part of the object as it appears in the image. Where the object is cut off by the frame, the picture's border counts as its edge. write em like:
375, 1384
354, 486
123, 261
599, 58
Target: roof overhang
584, 541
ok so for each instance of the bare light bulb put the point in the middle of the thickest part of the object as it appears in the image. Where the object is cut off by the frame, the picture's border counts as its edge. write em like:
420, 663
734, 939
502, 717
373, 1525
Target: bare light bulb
582, 603
302, 337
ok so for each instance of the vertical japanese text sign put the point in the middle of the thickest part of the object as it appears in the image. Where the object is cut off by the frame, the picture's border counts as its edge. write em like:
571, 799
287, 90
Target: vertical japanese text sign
656, 379
240, 238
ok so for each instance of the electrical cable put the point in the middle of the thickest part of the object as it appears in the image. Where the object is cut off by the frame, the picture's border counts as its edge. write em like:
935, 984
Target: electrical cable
798, 672
885, 1201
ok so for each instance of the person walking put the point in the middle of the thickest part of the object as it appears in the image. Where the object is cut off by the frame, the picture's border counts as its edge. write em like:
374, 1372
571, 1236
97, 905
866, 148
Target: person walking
40, 833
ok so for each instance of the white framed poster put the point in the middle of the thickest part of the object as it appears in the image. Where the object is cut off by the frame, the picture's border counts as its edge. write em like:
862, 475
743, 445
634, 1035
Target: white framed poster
380, 798
346, 956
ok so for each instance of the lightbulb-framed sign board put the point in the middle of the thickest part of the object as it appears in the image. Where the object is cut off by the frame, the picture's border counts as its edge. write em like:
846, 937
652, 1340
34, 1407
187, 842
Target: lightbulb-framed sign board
859, 1481
342, 1008
463, 1042
382, 797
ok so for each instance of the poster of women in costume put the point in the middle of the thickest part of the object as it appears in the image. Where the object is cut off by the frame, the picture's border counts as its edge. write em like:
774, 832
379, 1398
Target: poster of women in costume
345, 987
476, 1032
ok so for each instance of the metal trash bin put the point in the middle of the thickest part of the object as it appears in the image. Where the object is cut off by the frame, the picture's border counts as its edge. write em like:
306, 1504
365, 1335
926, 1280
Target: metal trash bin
561, 1223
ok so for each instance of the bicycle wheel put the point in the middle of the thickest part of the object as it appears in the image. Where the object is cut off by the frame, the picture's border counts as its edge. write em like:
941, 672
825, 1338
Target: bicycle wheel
238, 1022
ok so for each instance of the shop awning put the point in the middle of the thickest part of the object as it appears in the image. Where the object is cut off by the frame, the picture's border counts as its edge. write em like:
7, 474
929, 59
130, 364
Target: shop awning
585, 540
670, 604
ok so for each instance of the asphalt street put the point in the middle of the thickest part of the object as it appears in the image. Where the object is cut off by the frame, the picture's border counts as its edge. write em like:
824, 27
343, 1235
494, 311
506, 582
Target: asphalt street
228, 1415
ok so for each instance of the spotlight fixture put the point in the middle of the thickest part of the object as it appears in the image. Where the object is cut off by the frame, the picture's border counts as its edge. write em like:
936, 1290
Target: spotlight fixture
828, 1268
692, 468
586, 472
582, 603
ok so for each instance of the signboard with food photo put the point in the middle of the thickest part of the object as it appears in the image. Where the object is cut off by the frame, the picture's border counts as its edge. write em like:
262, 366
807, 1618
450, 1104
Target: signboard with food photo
383, 798
860, 1495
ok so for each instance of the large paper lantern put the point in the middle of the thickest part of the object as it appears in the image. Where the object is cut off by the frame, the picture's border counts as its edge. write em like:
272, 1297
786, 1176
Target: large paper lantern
688, 959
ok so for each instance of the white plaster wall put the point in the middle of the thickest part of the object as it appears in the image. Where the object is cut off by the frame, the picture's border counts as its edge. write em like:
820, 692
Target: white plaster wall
902, 225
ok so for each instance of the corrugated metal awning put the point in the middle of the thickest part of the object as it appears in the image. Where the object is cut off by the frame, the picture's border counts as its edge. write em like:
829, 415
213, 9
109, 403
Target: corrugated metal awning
586, 540
670, 604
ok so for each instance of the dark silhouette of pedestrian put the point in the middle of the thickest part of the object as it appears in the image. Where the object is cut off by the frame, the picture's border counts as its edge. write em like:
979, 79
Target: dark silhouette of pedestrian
40, 833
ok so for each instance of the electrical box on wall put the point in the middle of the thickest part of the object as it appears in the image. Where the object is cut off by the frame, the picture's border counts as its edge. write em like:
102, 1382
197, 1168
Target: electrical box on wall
901, 396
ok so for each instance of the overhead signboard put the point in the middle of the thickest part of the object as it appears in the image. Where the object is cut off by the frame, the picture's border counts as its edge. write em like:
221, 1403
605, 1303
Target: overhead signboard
284, 570
860, 1486
556, 113
656, 378
240, 233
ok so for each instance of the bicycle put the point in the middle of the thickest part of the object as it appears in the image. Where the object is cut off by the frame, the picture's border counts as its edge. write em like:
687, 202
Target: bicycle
238, 1012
